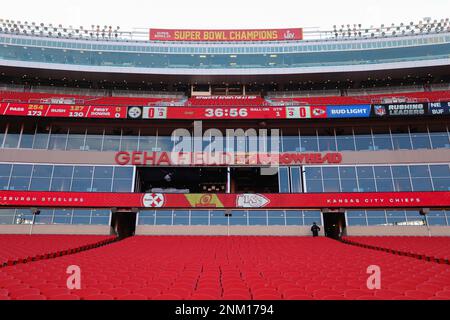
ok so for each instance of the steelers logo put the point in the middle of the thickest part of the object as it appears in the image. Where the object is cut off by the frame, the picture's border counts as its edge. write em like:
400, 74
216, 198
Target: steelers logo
134, 112
153, 200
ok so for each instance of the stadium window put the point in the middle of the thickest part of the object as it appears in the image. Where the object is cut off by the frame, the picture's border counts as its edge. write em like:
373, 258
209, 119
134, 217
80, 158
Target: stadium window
294, 218
181, 218
312, 216
163, 217
331, 179
257, 217
345, 139
112, 139
436, 218
58, 138
81, 217
7, 216
76, 138
381, 138
199, 217
366, 180
396, 217
41, 136
439, 137
45, 217
13, 135
276, 218
401, 138
440, 175
217, 218
41, 178
376, 218
327, 139
296, 180
363, 139
420, 137
414, 218
383, 176
239, 218
94, 139
20, 177
357, 218
291, 141
146, 217
309, 140
401, 178
100, 217
2, 133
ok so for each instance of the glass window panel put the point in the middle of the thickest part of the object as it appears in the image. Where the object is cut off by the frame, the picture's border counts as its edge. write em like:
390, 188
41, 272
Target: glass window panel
382, 172
348, 185
123, 172
13, 135
422, 184
396, 217
5, 170
327, 139
309, 142
147, 143
112, 139
7, 216
258, 218
122, 185
347, 172
239, 217
218, 218
2, 133
83, 172
331, 185
296, 180
436, 218
291, 144
402, 184
330, 173
63, 171
377, 217
400, 172
40, 184
181, 218
345, 139
357, 221
440, 171
199, 217
401, 138
129, 144
367, 185
103, 172
363, 139
61, 184
276, 218
22, 170
76, 139
365, 172
100, 217
314, 186
81, 217
419, 171
294, 218
19, 183
26, 142
420, 138
164, 217
164, 143
42, 171
382, 138
58, 138
283, 180
384, 185
440, 140
101, 185
81, 185
313, 173
62, 216
441, 184
94, 139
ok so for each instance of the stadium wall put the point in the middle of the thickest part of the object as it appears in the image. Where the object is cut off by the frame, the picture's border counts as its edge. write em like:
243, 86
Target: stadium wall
398, 231
56, 229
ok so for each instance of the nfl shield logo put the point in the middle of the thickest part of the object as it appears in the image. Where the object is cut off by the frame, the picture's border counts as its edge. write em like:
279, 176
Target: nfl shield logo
380, 111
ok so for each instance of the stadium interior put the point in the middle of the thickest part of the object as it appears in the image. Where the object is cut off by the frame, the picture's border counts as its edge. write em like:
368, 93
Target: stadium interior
205, 250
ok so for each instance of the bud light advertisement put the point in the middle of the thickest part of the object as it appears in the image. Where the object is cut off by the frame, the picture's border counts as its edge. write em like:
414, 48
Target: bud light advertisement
353, 111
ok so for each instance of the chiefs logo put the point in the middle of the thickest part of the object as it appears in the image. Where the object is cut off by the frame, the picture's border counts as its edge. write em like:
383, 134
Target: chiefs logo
251, 201
153, 200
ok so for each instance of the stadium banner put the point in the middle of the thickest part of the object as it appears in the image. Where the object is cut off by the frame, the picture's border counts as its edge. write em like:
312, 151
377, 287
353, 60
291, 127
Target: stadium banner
439, 108
152, 158
227, 113
211, 201
226, 35
400, 109
349, 111
62, 111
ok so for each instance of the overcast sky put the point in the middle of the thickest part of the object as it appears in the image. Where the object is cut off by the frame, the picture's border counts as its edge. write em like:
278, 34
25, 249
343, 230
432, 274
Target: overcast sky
208, 14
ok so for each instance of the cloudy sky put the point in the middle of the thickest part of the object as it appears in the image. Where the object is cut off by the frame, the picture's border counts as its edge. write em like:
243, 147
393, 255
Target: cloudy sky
208, 14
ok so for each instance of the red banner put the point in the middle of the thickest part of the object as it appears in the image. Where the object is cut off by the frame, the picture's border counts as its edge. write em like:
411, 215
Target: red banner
211, 201
62, 111
226, 35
